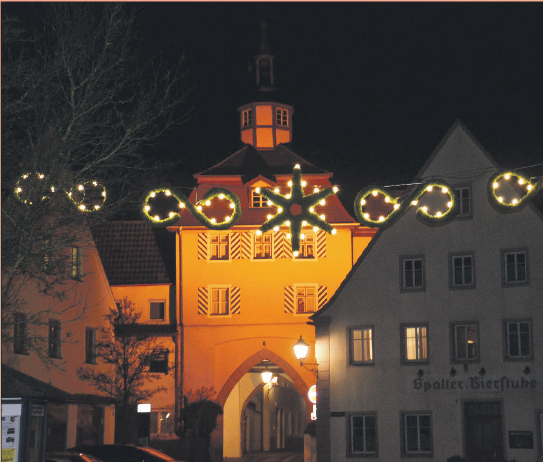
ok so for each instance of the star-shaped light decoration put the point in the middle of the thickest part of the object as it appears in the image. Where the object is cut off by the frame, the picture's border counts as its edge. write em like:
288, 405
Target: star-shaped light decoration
296, 209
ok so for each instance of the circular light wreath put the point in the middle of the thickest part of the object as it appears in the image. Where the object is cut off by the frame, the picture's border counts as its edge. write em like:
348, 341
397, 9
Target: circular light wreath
84, 204
20, 187
80, 189
522, 183
297, 209
399, 208
195, 210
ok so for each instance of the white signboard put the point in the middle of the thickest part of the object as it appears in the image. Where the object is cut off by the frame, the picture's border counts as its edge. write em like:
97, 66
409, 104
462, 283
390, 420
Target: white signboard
11, 431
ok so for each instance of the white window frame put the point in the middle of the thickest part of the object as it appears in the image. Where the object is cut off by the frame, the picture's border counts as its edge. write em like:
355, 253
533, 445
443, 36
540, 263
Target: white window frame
247, 118
281, 117
463, 270
508, 336
159, 413
258, 201
163, 318
364, 428
421, 343
516, 265
262, 237
217, 246
409, 276
364, 344
213, 290
307, 244
315, 296
456, 327
419, 451
462, 201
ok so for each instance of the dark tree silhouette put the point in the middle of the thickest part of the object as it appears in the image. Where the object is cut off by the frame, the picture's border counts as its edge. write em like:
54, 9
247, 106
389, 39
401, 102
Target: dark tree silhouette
81, 101
130, 353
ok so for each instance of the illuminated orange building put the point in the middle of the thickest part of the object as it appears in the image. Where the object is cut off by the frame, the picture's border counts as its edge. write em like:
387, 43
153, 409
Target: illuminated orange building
244, 299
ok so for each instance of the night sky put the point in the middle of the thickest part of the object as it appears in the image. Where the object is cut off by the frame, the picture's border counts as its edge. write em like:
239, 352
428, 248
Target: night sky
375, 86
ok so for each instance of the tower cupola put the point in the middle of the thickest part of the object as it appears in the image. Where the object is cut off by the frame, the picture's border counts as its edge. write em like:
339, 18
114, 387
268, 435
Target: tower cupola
264, 124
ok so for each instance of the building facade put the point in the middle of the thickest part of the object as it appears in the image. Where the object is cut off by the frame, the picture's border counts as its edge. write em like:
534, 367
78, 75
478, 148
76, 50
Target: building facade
136, 261
432, 347
244, 297
45, 404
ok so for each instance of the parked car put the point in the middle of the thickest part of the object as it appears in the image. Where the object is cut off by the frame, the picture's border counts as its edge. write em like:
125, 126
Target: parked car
70, 457
124, 453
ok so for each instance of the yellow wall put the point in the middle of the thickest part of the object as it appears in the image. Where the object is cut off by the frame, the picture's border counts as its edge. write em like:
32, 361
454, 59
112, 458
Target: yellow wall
216, 345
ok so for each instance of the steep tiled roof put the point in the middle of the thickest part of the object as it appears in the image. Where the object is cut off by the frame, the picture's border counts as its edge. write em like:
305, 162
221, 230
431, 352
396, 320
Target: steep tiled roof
250, 162
132, 254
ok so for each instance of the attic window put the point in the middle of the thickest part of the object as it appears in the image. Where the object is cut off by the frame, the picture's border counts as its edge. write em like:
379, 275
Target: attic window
247, 117
281, 117
258, 200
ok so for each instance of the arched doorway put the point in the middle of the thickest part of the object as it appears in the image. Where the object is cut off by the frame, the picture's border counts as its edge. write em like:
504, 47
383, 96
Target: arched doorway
259, 416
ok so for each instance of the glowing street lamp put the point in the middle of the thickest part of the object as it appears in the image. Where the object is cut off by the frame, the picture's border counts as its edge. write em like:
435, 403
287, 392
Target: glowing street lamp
300, 350
266, 376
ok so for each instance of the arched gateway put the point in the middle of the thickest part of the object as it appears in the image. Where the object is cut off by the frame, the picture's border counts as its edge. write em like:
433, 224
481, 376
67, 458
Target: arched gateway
259, 416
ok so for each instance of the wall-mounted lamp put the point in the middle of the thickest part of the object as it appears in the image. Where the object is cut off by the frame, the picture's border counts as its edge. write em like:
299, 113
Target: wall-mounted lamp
453, 372
420, 373
482, 371
300, 351
526, 370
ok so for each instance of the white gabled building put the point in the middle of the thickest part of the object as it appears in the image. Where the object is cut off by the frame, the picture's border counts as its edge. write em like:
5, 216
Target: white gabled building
433, 345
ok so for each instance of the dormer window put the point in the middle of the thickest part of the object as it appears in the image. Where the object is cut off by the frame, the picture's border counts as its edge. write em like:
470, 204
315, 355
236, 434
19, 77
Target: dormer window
258, 200
247, 117
281, 117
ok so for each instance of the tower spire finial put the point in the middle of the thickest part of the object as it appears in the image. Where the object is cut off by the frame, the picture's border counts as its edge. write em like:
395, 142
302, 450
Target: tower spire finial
264, 47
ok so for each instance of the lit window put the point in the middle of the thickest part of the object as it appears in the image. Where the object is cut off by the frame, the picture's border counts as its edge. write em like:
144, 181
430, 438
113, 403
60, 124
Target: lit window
306, 300
159, 364
307, 246
263, 246
363, 434
219, 247
156, 311
415, 343
463, 202
257, 200
20, 334
462, 271
417, 433
54, 338
219, 301
90, 345
515, 267
247, 117
361, 345
76, 263
466, 342
518, 339
161, 422
281, 117
413, 273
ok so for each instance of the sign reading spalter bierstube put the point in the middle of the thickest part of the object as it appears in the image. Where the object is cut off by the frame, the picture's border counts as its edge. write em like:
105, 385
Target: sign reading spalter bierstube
485, 384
